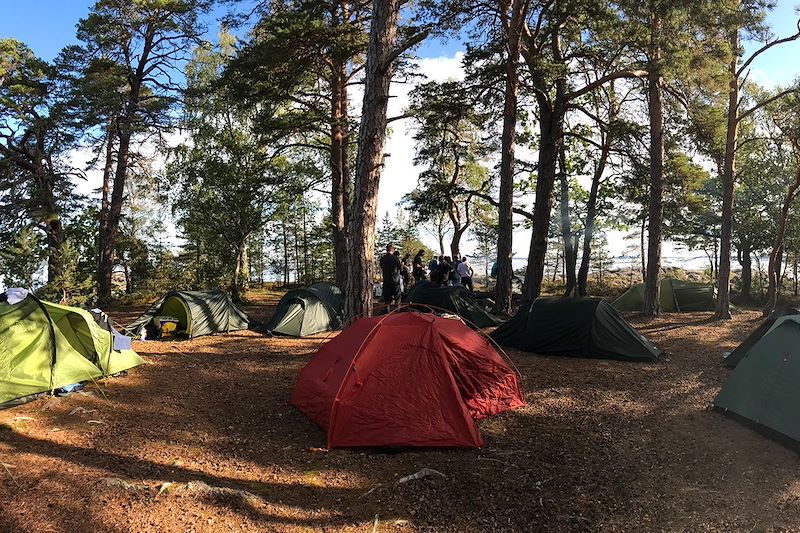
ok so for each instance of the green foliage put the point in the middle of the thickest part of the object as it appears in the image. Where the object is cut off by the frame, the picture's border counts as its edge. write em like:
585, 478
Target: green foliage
21, 259
71, 285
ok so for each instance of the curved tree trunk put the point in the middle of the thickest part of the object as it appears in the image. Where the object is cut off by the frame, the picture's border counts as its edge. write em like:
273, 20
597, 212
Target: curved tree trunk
773, 268
591, 215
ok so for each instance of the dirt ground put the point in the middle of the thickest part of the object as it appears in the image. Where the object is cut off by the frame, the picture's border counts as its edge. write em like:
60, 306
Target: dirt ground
202, 438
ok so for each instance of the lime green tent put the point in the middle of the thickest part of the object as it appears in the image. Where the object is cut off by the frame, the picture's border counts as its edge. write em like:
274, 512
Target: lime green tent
45, 346
676, 296
764, 388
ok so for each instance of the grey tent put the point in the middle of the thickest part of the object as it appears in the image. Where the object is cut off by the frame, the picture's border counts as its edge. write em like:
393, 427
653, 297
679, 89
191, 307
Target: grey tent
307, 311
764, 389
675, 296
576, 327
198, 313
455, 299
733, 358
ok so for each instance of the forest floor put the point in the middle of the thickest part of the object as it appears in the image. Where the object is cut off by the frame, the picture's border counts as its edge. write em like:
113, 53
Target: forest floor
202, 438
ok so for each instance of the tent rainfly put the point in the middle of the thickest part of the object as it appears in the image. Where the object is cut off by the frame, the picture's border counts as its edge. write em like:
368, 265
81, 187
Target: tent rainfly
764, 389
733, 358
405, 379
46, 346
577, 327
456, 299
198, 313
675, 296
307, 311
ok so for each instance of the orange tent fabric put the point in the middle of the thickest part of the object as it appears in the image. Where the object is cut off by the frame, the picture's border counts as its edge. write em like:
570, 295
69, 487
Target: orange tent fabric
405, 379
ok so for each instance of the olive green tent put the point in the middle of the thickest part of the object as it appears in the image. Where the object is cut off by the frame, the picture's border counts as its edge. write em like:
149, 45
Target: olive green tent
764, 388
733, 358
675, 296
198, 313
307, 311
577, 327
45, 346
456, 299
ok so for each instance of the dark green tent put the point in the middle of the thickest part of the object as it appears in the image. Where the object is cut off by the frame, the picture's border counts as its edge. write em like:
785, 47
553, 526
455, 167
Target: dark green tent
577, 327
675, 296
764, 388
307, 311
733, 358
46, 346
198, 313
456, 299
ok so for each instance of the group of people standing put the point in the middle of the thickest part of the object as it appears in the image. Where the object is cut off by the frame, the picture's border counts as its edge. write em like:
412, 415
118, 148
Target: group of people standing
441, 270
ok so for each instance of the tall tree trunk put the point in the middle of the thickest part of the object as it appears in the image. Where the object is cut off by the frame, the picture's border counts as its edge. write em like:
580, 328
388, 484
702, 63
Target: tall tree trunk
773, 268
550, 128
656, 204
285, 230
505, 269
746, 261
239, 281
723, 309
108, 168
54, 230
109, 239
591, 215
381, 54
569, 244
642, 254
340, 165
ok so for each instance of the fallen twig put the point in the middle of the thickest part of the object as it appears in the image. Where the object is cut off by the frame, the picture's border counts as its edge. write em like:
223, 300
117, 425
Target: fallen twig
5, 466
425, 472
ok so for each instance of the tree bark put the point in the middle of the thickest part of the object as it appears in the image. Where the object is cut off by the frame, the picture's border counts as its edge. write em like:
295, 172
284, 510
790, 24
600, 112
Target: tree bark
591, 215
505, 269
656, 203
746, 262
340, 165
569, 243
381, 54
773, 268
723, 309
124, 128
240, 280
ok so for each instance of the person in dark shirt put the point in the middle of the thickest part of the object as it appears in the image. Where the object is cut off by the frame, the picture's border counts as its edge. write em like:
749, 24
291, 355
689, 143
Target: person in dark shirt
433, 265
390, 268
442, 274
418, 270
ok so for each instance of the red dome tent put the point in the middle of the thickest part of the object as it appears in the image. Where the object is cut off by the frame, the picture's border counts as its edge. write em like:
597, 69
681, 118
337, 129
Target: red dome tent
405, 379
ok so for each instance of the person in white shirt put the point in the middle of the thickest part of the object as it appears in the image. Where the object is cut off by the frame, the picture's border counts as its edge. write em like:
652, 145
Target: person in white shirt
465, 271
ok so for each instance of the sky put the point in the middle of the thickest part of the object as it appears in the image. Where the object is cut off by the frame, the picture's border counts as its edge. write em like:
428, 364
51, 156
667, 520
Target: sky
46, 26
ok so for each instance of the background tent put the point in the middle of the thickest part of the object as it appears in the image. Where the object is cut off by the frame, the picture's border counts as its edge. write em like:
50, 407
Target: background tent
579, 327
405, 379
738, 354
456, 299
307, 311
46, 346
198, 313
764, 388
674, 296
